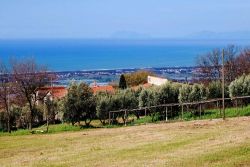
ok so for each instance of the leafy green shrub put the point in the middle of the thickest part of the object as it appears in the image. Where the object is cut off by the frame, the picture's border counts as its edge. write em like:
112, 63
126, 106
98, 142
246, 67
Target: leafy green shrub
192, 93
167, 93
215, 90
240, 86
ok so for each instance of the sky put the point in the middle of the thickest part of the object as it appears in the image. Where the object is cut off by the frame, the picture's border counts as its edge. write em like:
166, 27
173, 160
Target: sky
120, 18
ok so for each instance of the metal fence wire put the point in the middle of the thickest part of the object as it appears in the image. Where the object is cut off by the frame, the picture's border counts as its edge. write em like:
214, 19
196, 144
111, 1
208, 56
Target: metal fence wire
172, 111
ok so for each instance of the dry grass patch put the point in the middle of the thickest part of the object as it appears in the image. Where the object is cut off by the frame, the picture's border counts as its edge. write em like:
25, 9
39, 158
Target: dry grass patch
194, 143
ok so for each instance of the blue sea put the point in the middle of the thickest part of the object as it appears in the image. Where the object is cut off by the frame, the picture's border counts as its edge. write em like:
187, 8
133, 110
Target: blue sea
76, 54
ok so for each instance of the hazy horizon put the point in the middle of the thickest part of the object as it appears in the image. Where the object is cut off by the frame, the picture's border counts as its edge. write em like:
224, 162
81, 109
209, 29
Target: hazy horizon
112, 19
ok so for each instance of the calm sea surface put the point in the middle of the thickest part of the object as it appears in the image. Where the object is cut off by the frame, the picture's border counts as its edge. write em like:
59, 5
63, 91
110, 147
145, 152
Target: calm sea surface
62, 55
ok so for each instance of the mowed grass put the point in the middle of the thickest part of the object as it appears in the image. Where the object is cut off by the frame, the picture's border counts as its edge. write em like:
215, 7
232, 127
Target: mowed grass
192, 143
216, 113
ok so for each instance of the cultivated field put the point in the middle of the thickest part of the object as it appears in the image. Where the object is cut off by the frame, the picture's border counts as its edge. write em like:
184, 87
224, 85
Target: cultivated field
195, 143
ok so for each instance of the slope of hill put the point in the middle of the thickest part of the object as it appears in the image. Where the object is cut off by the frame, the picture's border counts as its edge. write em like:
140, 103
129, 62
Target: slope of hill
194, 143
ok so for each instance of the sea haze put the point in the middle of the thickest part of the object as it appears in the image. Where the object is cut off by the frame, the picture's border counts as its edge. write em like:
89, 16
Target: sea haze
70, 55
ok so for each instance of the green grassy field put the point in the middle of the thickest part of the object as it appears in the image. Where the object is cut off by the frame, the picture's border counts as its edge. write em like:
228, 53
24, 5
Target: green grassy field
215, 113
192, 143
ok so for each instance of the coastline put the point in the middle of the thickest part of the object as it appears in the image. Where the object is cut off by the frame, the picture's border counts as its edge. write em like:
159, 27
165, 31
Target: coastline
106, 76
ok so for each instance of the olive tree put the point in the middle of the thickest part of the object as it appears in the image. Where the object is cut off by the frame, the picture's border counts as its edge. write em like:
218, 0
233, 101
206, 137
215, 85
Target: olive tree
147, 98
80, 104
188, 93
184, 93
168, 93
103, 106
240, 86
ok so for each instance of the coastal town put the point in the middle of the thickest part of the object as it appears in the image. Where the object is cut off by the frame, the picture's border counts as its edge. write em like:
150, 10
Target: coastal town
104, 77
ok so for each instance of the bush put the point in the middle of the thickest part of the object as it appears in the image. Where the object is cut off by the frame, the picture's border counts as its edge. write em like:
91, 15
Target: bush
188, 93
240, 86
184, 93
168, 93
147, 97
215, 90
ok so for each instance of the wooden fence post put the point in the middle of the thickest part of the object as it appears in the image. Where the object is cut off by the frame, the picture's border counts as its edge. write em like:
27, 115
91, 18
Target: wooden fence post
220, 110
109, 118
171, 112
200, 110
145, 112
125, 117
238, 111
181, 112
166, 114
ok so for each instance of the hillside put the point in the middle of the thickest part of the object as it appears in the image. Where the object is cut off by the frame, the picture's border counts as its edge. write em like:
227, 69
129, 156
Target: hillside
194, 143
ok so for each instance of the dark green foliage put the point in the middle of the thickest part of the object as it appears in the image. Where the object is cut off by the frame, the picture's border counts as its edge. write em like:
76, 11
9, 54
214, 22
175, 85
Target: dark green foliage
122, 83
147, 98
192, 93
215, 90
80, 104
167, 93
103, 106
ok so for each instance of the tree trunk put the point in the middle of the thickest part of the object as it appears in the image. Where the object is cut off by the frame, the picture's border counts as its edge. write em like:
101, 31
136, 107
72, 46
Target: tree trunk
8, 124
87, 123
47, 128
31, 115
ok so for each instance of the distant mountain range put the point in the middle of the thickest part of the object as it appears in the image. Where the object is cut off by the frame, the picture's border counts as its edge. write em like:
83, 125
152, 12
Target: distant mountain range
209, 35
130, 35
242, 35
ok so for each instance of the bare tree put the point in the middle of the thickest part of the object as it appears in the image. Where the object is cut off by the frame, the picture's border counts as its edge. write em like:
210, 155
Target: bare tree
5, 92
231, 67
29, 77
210, 64
243, 62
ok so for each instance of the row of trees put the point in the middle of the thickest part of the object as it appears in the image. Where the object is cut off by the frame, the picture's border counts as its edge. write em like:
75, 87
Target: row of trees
156, 95
81, 104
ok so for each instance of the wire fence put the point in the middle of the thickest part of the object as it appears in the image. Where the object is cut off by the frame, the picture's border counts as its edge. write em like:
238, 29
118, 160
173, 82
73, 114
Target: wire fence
178, 110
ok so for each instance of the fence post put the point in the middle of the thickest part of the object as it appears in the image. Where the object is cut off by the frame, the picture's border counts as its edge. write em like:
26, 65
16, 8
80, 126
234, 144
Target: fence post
200, 110
181, 112
109, 118
166, 114
220, 110
125, 117
171, 112
236, 103
145, 112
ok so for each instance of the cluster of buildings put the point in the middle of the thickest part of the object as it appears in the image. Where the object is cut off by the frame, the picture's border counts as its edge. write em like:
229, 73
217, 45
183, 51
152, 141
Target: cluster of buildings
58, 92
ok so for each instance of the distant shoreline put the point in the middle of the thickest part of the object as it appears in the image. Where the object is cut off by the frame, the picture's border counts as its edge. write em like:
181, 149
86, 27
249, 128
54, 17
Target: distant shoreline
126, 69
105, 76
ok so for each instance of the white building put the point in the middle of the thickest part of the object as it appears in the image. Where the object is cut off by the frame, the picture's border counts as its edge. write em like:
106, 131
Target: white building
157, 80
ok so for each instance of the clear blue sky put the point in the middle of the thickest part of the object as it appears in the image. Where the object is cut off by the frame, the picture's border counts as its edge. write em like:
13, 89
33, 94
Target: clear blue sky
103, 18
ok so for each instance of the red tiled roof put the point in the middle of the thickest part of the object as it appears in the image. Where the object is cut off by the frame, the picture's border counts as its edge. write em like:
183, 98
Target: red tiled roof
56, 91
107, 88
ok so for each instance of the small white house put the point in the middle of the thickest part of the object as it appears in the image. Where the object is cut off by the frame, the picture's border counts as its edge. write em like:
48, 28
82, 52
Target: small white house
157, 80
